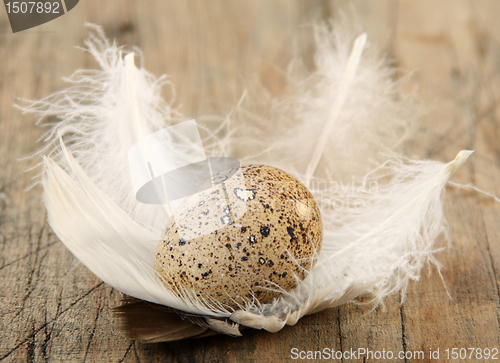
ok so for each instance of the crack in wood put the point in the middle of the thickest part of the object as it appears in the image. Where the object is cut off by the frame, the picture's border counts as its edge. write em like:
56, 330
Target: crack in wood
403, 333
6, 355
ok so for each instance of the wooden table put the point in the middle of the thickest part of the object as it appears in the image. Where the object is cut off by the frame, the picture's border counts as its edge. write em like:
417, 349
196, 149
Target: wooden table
53, 309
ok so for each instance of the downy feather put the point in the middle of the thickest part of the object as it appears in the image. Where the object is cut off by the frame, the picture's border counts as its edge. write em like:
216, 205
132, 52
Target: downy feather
338, 127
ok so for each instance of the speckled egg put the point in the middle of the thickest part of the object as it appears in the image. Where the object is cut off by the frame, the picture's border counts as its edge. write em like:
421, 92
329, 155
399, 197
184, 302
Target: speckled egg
248, 237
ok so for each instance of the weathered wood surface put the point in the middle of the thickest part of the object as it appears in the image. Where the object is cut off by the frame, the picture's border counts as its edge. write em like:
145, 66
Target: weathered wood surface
53, 309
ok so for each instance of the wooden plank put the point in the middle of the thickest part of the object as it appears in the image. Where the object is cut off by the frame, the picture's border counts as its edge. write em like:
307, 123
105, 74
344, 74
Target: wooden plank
53, 309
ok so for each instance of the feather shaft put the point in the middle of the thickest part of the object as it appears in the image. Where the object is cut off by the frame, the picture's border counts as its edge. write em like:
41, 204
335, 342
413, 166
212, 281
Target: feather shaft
137, 124
345, 86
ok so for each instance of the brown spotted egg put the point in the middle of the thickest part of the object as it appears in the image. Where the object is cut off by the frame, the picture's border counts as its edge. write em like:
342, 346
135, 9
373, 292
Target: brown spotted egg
247, 238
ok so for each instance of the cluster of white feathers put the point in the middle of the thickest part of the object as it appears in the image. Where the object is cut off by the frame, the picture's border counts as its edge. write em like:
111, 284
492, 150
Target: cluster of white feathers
336, 131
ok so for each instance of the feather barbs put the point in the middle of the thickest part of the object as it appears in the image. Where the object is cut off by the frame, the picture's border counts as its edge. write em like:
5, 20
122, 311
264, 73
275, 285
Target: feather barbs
376, 244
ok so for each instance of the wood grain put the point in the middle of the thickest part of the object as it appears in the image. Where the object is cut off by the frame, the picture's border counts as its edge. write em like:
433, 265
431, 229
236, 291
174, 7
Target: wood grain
53, 309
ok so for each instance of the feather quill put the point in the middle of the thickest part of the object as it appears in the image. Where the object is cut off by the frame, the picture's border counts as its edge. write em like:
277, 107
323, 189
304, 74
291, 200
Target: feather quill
347, 117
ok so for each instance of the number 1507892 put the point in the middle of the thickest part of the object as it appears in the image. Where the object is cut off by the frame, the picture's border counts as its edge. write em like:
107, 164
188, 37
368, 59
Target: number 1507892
31, 7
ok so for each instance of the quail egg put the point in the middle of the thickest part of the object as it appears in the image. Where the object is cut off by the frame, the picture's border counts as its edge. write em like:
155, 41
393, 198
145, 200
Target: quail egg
245, 240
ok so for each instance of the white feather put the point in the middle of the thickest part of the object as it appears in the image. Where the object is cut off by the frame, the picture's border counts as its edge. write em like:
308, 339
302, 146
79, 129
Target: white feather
377, 249
350, 100
102, 236
338, 125
98, 117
